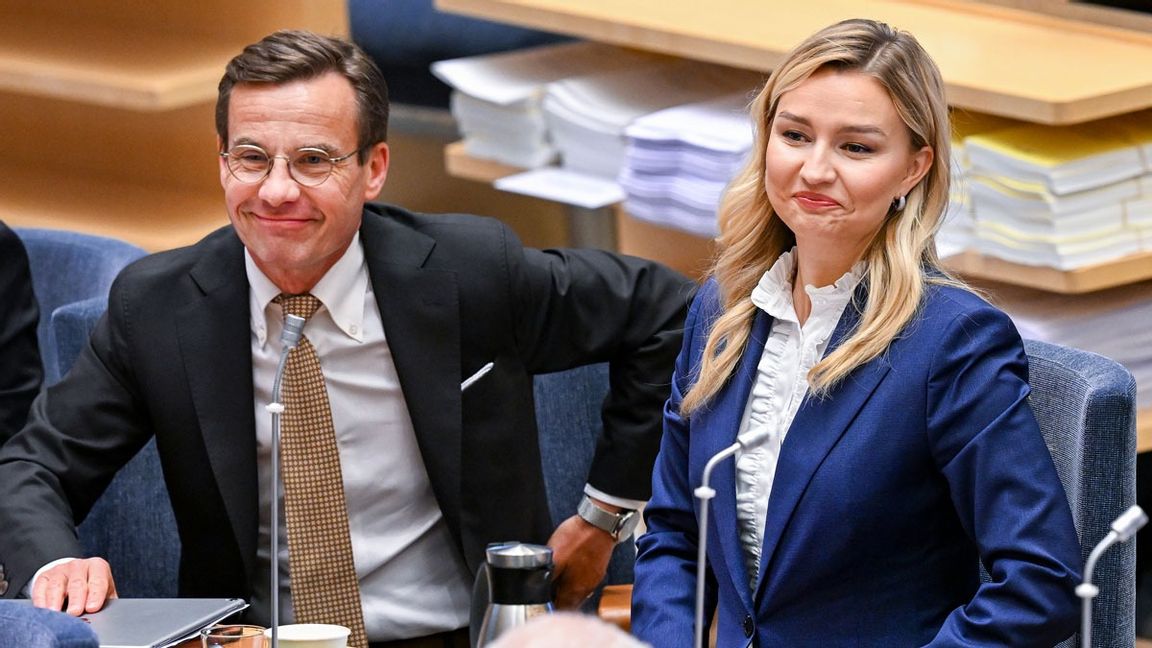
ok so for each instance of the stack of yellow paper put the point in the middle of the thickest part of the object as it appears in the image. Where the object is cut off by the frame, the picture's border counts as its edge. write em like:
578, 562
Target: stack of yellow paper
1062, 196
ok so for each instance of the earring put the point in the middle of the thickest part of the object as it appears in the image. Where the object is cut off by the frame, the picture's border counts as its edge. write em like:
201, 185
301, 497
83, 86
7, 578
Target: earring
898, 203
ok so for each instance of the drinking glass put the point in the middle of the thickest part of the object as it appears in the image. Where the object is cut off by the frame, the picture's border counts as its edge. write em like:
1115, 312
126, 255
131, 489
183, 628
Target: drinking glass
232, 636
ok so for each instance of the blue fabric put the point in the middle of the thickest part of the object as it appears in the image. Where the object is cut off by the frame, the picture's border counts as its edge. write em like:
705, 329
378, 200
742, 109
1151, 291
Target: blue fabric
886, 493
131, 525
1085, 404
568, 407
24, 626
69, 267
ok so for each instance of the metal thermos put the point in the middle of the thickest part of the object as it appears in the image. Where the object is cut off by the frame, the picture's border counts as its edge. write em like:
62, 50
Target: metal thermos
519, 587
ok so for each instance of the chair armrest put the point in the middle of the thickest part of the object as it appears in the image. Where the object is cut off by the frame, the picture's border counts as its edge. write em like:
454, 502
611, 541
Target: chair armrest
616, 606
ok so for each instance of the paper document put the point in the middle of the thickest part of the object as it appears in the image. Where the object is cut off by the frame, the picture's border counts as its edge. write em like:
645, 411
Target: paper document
563, 186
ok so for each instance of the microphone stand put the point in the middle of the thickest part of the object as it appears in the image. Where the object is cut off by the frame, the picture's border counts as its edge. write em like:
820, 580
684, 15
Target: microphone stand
289, 338
1123, 528
705, 493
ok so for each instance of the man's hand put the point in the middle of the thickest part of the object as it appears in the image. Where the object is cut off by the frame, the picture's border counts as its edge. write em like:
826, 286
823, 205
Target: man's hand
85, 582
580, 552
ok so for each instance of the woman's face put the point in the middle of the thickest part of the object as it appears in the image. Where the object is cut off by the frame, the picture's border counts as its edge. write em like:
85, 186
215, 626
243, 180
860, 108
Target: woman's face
837, 155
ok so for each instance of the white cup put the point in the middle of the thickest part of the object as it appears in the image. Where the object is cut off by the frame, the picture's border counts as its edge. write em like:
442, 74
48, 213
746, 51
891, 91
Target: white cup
311, 635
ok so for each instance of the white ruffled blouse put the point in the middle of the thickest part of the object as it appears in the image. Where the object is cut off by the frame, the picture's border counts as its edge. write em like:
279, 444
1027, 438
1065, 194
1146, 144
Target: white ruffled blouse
781, 384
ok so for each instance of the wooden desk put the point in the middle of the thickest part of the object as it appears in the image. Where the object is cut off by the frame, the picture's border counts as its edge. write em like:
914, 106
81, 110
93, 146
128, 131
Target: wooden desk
1045, 70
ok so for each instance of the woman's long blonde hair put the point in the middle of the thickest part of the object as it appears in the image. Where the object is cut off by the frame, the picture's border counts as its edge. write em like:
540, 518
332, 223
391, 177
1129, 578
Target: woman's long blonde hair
903, 252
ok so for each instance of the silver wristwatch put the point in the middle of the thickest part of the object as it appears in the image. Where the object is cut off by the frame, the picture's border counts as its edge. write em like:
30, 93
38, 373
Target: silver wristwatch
618, 525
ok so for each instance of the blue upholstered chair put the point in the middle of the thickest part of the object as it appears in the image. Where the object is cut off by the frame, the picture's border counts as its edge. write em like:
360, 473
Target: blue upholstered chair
24, 626
1085, 404
568, 416
71, 274
72, 271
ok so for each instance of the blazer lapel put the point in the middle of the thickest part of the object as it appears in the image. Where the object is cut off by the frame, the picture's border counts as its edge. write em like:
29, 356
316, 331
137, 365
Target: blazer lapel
214, 335
720, 423
818, 425
420, 310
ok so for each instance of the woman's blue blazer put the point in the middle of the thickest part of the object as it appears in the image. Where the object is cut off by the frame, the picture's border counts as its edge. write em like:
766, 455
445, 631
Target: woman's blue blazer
889, 494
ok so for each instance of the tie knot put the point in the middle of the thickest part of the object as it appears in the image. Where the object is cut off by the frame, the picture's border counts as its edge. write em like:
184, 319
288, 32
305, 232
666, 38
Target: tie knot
304, 305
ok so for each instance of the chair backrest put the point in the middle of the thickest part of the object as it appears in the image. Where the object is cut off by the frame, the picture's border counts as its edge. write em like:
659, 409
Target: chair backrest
568, 416
31, 627
69, 267
131, 525
1086, 407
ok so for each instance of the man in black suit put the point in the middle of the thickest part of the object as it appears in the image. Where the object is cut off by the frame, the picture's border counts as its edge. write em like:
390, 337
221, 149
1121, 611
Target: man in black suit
411, 306
20, 370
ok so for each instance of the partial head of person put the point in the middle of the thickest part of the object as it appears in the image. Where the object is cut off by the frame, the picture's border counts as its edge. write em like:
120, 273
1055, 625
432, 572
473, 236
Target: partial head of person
301, 123
567, 630
850, 163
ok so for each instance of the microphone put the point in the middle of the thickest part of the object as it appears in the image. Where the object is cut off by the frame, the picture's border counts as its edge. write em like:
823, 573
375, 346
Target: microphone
289, 338
705, 493
1123, 528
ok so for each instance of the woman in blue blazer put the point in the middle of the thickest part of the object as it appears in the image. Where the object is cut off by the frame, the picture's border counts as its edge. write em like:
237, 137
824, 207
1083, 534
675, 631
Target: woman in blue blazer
887, 448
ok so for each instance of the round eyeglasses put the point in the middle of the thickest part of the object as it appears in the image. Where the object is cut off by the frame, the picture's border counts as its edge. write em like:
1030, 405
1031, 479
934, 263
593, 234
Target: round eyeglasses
308, 166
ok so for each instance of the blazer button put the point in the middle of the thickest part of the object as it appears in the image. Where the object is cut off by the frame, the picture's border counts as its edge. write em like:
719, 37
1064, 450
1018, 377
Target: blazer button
749, 625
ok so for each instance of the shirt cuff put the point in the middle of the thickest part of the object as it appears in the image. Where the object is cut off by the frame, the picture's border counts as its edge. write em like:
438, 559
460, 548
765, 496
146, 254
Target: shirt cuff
622, 502
27, 591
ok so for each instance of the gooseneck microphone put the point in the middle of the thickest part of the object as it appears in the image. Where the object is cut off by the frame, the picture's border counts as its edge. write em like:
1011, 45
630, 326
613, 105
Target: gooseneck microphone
1123, 528
289, 338
705, 493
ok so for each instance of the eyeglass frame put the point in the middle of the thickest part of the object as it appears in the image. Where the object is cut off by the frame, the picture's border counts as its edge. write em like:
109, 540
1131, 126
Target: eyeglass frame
332, 161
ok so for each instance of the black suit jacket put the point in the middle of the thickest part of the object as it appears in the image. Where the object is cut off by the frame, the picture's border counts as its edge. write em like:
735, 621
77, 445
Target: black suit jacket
172, 359
20, 368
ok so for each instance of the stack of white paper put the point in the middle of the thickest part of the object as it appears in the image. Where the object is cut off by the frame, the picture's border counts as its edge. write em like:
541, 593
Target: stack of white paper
496, 98
678, 162
1113, 323
1061, 196
587, 115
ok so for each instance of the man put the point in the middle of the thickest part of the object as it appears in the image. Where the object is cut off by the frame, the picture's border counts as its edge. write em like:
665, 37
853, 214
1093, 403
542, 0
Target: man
20, 368
409, 307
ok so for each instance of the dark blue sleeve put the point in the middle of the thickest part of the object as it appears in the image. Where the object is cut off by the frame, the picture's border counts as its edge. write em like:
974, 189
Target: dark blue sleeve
1004, 487
20, 369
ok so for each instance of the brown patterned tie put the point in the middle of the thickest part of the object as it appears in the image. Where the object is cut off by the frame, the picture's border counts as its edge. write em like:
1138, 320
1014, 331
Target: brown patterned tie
324, 584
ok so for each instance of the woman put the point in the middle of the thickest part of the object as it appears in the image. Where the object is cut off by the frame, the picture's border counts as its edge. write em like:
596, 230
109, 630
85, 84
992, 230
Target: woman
887, 444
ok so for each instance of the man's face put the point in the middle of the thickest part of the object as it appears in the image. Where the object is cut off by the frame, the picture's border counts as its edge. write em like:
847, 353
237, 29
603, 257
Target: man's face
295, 233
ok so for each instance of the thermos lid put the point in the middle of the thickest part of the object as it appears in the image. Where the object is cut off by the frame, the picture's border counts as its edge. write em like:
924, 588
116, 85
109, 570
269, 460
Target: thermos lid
518, 555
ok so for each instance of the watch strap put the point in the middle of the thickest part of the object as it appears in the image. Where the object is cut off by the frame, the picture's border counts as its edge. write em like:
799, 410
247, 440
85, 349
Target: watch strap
617, 525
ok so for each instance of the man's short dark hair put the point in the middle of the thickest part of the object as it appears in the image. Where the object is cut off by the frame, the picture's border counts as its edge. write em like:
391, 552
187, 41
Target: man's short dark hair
294, 55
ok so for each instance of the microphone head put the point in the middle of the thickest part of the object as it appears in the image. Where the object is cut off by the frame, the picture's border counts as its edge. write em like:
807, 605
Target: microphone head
1129, 523
293, 331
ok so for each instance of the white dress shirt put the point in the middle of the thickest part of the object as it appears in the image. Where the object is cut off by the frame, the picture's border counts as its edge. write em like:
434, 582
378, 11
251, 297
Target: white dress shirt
781, 384
412, 580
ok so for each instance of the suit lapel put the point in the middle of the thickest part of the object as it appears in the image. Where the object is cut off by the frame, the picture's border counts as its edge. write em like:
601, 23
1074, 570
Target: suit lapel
420, 310
818, 425
722, 421
214, 335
